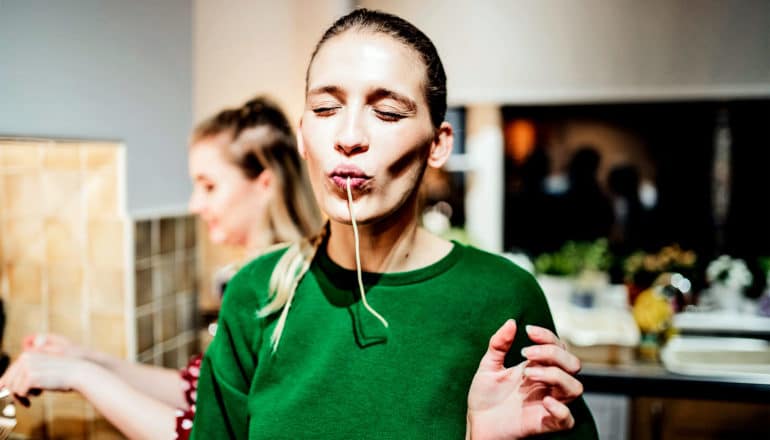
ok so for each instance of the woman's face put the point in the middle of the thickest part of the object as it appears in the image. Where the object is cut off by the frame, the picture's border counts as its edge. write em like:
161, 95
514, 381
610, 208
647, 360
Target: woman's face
366, 118
229, 203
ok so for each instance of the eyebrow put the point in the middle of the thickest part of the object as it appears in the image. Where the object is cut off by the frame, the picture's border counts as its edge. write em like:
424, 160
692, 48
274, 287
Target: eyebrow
383, 93
326, 90
375, 95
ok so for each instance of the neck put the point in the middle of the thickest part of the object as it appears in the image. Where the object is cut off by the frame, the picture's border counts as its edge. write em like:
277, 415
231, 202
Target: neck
389, 246
260, 237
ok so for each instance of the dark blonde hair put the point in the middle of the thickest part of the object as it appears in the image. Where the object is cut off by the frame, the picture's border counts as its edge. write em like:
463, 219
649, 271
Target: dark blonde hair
260, 138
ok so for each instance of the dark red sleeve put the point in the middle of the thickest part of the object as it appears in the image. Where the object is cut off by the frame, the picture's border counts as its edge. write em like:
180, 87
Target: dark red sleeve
184, 418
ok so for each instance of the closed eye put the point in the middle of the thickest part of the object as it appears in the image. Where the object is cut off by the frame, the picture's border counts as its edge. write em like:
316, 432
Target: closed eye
389, 116
325, 111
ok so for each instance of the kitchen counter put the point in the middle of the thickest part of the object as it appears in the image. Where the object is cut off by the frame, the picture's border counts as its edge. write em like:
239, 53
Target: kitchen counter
652, 379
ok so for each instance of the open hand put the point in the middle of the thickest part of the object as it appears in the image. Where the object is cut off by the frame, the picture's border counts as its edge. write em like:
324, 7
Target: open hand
529, 398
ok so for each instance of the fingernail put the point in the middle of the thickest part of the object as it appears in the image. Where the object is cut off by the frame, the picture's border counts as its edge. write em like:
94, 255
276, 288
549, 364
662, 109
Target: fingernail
530, 372
531, 329
524, 352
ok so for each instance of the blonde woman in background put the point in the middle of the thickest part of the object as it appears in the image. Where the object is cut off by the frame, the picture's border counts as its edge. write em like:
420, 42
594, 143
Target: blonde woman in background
250, 189
375, 328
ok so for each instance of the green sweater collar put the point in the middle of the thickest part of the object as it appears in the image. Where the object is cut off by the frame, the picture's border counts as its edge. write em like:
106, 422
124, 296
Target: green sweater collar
343, 278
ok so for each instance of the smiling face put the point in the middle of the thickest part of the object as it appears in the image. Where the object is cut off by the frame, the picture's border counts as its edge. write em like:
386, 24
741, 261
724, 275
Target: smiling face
366, 119
225, 199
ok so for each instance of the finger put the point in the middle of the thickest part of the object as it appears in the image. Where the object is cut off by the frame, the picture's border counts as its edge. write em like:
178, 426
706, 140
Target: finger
28, 342
559, 412
542, 335
23, 400
550, 354
499, 344
563, 386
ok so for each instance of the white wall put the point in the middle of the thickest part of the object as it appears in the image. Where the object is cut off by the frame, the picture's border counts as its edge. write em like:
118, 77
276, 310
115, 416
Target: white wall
552, 51
249, 47
104, 69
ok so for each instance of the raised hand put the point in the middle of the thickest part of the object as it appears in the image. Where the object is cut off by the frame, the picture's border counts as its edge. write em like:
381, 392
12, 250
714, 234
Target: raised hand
527, 399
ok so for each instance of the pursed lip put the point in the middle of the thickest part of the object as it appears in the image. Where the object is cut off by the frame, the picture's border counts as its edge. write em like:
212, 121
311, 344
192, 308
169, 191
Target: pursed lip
340, 175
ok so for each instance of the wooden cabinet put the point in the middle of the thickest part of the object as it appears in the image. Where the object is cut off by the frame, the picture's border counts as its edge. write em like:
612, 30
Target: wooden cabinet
654, 418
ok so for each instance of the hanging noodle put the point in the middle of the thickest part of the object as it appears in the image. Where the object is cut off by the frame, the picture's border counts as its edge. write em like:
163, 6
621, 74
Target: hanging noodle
358, 259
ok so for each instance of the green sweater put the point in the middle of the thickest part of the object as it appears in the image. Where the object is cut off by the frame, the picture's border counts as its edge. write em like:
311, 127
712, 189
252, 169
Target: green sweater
340, 374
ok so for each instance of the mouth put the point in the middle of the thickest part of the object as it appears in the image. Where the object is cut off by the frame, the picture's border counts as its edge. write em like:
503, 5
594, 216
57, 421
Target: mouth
340, 175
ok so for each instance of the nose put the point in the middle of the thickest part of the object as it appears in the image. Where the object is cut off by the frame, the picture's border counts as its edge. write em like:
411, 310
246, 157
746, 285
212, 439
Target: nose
352, 137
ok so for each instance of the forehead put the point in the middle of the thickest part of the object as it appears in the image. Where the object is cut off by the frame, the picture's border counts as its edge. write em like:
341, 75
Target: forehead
360, 57
207, 153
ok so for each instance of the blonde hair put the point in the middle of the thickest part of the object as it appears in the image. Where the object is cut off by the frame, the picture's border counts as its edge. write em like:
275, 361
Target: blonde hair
286, 275
261, 138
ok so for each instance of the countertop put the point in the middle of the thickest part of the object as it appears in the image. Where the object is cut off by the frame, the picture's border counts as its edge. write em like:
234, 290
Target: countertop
652, 379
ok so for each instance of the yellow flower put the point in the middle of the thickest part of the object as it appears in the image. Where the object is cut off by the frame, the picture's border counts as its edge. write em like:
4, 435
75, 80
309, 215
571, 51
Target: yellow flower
652, 311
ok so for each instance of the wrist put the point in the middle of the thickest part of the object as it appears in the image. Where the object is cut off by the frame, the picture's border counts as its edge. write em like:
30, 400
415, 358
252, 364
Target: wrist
478, 429
88, 375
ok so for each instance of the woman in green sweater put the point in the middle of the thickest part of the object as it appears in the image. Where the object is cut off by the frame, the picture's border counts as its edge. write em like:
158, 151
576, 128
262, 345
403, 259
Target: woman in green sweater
374, 328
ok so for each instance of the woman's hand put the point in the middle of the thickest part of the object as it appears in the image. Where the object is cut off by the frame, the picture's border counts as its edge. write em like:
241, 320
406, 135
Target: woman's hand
529, 398
51, 343
33, 372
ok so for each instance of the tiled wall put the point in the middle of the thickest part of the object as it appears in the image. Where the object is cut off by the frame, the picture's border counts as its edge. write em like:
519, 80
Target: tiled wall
67, 265
62, 255
165, 286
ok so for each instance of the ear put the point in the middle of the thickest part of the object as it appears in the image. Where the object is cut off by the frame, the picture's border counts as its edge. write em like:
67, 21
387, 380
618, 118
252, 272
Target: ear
441, 147
264, 181
301, 141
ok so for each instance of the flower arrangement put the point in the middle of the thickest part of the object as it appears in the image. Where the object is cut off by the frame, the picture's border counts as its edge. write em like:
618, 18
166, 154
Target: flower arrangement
729, 272
642, 269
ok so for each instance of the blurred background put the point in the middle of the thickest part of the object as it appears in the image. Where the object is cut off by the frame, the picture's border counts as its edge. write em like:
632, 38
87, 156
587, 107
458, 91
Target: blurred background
619, 150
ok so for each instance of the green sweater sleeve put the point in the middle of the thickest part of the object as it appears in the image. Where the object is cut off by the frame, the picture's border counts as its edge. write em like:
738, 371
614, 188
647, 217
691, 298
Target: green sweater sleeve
230, 362
538, 313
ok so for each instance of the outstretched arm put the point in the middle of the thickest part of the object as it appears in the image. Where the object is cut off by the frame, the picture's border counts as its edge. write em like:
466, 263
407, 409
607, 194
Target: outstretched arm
163, 384
135, 414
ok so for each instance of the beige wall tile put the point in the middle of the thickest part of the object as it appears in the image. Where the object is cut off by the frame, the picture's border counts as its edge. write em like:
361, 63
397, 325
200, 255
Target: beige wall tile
20, 155
99, 157
101, 429
25, 283
69, 324
102, 194
64, 241
30, 422
21, 320
105, 243
23, 194
68, 405
23, 240
63, 192
65, 288
108, 333
60, 157
106, 290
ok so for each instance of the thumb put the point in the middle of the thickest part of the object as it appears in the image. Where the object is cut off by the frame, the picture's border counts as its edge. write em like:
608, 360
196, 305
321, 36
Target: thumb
499, 344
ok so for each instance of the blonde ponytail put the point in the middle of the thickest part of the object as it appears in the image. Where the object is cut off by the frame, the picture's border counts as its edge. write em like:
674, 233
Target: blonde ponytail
285, 278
